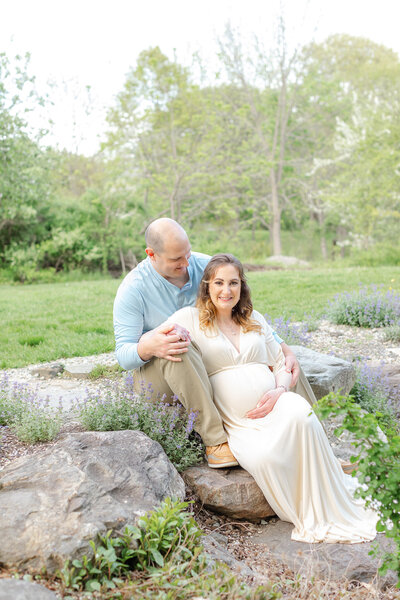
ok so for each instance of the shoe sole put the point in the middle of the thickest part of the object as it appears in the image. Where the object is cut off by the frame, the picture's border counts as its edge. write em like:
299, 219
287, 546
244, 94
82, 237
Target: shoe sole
349, 470
223, 465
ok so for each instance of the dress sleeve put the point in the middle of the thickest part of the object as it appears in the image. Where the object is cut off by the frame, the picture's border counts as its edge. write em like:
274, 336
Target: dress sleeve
185, 318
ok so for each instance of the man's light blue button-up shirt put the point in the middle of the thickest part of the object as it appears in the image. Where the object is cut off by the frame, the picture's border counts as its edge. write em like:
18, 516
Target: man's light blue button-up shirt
145, 299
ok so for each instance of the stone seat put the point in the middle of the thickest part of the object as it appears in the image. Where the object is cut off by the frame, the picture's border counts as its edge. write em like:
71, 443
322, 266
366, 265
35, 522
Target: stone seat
232, 492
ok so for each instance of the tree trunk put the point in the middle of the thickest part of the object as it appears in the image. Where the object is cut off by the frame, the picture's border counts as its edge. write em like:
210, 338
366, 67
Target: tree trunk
122, 259
276, 217
321, 223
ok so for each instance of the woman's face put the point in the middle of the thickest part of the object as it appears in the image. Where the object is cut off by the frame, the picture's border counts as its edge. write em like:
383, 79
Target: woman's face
224, 288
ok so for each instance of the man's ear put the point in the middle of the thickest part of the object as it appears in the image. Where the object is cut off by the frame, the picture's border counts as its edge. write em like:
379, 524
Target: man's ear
150, 252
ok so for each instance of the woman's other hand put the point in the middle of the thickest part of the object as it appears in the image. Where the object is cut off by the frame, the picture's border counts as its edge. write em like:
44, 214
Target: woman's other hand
291, 364
266, 404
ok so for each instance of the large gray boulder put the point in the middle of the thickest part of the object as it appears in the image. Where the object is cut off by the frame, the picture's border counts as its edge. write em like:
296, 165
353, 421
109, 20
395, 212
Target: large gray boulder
231, 492
325, 373
18, 589
54, 502
336, 561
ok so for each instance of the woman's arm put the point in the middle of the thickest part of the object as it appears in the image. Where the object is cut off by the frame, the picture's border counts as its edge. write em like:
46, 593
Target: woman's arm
283, 377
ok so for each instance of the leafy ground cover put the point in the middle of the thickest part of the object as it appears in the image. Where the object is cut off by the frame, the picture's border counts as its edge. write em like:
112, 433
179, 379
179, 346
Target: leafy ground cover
49, 321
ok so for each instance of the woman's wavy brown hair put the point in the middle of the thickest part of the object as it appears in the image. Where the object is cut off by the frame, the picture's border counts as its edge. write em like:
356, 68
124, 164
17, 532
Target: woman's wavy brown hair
241, 313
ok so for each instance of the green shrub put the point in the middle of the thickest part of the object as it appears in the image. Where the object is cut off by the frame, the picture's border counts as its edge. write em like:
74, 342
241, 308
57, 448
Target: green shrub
118, 407
166, 532
379, 467
382, 253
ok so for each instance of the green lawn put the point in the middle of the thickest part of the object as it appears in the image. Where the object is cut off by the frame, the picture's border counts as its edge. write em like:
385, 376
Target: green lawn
49, 321
295, 293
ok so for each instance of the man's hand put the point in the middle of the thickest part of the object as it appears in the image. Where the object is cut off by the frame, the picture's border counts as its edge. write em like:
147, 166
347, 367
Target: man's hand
291, 363
183, 333
266, 404
167, 341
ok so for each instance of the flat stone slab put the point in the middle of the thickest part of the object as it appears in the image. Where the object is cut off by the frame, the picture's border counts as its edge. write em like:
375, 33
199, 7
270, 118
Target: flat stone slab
232, 492
18, 589
336, 561
325, 373
49, 371
79, 371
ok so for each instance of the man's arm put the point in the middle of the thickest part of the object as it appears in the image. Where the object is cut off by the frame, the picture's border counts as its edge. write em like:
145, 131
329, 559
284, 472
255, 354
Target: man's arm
133, 347
128, 328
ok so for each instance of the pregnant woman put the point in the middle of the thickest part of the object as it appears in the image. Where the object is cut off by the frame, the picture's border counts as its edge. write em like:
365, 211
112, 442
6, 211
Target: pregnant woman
272, 432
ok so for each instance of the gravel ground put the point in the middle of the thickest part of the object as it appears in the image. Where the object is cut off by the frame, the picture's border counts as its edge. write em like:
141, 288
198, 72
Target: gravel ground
354, 343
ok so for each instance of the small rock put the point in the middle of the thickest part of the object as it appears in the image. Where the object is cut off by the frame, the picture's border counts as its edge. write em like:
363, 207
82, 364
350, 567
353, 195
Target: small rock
221, 539
79, 371
216, 552
49, 371
325, 373
232, 492
18, 589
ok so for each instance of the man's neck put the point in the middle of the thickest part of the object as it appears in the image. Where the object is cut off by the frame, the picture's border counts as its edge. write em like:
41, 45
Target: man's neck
179, 281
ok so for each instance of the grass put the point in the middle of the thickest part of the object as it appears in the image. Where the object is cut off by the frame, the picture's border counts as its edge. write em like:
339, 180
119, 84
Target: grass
296, 293
49, 321
46, 322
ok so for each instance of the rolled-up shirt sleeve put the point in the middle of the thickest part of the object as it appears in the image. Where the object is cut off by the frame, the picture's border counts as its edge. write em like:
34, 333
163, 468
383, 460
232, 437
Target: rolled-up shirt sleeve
128, 329
277, 338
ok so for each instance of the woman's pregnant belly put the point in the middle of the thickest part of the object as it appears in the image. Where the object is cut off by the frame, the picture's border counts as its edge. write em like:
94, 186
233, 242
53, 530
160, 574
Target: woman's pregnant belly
238, 389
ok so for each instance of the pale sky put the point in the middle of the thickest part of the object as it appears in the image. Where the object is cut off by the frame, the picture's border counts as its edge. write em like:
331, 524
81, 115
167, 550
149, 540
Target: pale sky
79, 43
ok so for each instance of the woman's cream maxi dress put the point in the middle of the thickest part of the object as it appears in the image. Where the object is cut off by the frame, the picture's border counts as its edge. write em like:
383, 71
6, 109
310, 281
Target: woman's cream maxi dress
287, 452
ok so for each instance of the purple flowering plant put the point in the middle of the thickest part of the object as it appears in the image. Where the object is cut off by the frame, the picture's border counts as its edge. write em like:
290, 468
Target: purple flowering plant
291, 332
30, 417
373, 392
369, 306
117, 406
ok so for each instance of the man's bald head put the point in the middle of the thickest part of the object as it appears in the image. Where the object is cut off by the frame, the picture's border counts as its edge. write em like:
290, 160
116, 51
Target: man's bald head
162, 231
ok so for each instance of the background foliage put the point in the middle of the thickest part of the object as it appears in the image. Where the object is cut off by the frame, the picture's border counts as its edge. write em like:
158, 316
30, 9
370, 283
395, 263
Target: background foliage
275, 152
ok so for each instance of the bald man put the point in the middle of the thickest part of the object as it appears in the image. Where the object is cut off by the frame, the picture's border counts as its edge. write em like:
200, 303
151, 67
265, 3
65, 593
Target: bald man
163, 355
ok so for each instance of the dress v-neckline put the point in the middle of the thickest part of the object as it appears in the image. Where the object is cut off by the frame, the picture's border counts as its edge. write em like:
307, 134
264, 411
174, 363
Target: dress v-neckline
230, 341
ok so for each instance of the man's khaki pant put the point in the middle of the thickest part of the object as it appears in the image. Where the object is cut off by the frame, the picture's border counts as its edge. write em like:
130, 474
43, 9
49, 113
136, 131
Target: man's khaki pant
188, 380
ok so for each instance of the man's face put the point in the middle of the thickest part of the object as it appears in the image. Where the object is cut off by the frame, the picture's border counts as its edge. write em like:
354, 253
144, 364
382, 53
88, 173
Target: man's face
172, 263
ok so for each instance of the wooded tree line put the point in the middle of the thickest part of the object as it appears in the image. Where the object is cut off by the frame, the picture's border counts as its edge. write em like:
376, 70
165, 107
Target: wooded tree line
275, 140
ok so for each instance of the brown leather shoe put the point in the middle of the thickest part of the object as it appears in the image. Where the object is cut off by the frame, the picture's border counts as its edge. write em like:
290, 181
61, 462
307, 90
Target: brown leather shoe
348, 467
220, 456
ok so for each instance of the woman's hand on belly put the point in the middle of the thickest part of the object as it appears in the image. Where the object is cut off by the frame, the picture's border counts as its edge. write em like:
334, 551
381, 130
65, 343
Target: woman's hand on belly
265, 404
